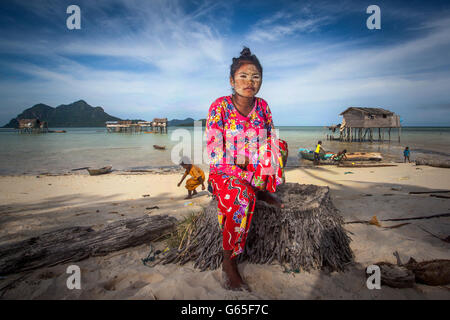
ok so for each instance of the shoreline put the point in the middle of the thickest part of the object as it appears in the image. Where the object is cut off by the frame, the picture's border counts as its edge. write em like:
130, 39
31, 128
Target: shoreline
168, 169
58, 154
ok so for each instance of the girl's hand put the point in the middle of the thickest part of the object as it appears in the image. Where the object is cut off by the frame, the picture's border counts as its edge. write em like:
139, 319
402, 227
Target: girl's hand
203, 187
179, 184
244, 165
268, 198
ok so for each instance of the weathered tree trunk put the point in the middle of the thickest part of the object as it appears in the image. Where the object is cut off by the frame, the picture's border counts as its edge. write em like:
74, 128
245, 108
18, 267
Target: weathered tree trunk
306, 234
78, 243
433, 163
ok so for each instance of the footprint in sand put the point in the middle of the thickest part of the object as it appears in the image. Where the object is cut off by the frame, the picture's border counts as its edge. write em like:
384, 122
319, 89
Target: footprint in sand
110, 285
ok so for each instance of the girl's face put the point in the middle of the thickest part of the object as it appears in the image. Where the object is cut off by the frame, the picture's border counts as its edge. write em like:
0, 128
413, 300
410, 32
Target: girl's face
247, 80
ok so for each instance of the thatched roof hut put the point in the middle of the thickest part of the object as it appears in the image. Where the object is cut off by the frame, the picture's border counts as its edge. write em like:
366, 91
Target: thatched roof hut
356, 120
357, 117
32, 124
28, 123
160, 122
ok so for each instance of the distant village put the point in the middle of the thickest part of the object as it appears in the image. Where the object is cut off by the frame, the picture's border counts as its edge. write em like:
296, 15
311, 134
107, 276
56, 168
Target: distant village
359, 124
40, 117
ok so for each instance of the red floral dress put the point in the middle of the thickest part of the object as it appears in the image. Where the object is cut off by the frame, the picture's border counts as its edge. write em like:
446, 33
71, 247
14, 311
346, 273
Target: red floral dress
231, 138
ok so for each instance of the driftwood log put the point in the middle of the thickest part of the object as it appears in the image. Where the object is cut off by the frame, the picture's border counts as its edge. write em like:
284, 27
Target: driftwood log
306, 234
433, 272
395, 276
78, 243
433, 163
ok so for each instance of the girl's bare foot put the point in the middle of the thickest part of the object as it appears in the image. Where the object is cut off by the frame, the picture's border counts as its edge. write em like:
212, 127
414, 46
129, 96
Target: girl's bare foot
194, 192
233, 280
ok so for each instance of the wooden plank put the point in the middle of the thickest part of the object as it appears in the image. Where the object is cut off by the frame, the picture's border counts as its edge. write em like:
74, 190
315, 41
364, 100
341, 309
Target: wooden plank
439, 196
403, 219
365, 165
435, 191
421, 217
78, 243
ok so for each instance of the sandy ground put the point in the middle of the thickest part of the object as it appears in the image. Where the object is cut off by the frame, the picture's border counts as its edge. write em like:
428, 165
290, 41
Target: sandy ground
30, 206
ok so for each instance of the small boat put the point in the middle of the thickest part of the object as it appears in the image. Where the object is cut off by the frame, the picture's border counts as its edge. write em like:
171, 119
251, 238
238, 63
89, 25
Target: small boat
364, 156
57, 131
159, 147
309, 155
96, 172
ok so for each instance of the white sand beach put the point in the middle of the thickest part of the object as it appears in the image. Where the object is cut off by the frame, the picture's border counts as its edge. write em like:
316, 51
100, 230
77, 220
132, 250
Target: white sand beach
33, 205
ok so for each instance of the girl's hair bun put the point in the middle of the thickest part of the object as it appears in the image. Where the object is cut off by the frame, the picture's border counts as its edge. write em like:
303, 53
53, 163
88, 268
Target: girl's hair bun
246, 52
246, 57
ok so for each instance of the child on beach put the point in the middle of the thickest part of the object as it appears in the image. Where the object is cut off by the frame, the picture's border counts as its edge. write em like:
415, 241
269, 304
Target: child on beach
406, 154
340, 156
317, 151
197, 174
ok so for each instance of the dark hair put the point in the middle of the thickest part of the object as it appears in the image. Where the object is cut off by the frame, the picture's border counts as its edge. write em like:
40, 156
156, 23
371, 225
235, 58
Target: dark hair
320, 142
345, 150
246, 57
185, 160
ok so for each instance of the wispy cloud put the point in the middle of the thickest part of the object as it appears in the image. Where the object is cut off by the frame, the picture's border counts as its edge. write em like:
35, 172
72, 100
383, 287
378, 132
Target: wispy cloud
150, 58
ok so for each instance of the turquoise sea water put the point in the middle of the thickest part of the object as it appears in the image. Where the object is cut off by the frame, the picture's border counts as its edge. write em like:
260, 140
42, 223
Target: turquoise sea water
94, 147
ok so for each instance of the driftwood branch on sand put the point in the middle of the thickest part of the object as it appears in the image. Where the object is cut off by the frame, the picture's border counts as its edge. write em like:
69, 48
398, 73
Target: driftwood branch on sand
78, 243
440, 215
433, 163
306, 234
364, 165
433, 272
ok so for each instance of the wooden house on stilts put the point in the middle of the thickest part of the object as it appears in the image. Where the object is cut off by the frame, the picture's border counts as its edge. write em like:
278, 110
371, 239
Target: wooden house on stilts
361, 124
134, 126
160, 125
32, 126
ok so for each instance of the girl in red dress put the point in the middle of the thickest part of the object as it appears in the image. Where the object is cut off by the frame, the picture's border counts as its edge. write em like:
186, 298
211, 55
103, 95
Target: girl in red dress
246, 158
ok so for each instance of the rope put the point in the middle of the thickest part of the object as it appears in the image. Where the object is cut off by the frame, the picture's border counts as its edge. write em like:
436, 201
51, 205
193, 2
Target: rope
153, 255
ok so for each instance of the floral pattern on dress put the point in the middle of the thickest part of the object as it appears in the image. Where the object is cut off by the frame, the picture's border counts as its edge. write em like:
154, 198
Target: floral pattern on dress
228, 131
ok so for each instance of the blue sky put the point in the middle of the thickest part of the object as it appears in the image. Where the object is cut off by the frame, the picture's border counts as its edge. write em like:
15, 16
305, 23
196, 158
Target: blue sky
145, 59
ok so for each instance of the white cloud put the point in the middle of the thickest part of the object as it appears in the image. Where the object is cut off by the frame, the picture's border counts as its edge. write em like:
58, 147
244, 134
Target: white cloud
305, 82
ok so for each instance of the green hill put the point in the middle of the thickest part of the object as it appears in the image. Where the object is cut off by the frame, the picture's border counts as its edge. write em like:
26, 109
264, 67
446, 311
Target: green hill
188, 122
77, 114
